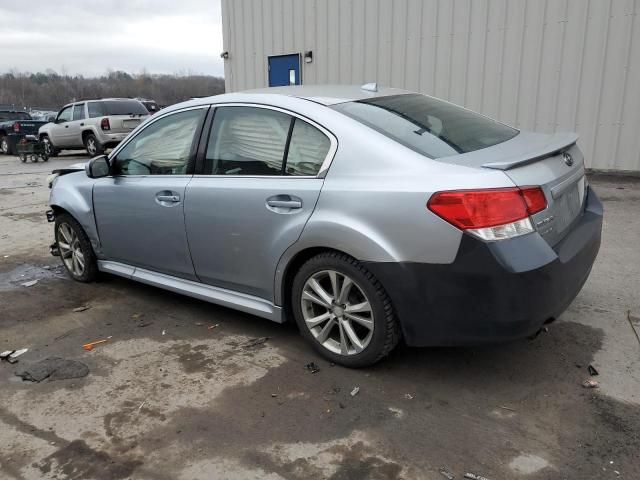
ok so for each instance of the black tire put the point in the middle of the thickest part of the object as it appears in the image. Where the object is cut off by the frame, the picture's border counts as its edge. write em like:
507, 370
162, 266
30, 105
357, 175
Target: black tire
90, 271
5, 148
23, 158
386, 332
50, 150
93, 146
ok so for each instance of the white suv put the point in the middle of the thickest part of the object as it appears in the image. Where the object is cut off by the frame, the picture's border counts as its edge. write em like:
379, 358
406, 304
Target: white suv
94, 125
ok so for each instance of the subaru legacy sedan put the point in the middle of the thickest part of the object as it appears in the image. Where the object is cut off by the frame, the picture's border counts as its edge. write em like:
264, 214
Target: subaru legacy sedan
367, 215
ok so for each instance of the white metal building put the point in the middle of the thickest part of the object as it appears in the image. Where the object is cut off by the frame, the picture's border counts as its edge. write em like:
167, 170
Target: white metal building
545, 65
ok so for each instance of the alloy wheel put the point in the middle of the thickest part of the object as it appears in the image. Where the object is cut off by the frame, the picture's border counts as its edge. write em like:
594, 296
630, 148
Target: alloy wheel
47, 145
337, 312
70, 249
91, 146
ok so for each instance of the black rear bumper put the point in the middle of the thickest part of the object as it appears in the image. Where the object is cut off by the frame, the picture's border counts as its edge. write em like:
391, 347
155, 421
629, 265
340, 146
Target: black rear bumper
495, 291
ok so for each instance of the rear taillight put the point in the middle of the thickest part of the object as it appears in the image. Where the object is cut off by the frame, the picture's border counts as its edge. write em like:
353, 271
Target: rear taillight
491, 214
104, 124
16, 127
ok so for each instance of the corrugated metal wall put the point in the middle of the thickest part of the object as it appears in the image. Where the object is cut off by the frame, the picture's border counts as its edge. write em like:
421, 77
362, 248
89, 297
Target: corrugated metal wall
545, 65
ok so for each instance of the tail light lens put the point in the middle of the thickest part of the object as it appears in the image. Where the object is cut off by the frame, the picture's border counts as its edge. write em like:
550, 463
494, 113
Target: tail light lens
16, 127
104, 124
491, 214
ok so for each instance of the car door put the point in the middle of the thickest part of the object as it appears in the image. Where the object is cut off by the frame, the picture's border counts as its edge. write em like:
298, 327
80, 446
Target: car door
255, 188
139, 209
74, 127
59, 132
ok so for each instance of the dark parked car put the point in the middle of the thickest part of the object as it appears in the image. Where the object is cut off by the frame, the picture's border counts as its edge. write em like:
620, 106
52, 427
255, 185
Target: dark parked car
14, 126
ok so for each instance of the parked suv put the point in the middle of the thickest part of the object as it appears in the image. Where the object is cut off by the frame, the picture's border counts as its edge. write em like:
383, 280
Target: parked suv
94, 125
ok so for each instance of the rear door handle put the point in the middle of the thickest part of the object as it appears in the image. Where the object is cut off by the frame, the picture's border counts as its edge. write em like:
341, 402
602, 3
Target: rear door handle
284, 203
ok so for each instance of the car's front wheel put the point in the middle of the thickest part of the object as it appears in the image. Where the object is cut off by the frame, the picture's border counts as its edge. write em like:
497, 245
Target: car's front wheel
49, 149
75, 249
343, 311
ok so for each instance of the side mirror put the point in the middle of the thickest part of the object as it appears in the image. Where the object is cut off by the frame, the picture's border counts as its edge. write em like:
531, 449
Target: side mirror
97, 167
51, 119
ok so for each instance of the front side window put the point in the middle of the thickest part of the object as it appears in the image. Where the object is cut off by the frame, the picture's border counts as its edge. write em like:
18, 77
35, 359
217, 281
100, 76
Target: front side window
308, 149
427, 125
78, 111
163, 148
95, 109
247, 141
65, 114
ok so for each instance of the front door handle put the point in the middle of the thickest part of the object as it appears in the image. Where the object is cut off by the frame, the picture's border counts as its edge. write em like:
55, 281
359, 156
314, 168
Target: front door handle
284, 203
168, 198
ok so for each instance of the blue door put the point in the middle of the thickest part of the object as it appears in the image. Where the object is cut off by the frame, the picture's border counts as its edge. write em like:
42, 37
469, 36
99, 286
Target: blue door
284, 70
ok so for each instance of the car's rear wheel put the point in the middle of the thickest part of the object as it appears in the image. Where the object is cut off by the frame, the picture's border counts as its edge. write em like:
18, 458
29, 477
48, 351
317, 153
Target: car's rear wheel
49, 149
4, 145
75, 249
343, 311
93, 146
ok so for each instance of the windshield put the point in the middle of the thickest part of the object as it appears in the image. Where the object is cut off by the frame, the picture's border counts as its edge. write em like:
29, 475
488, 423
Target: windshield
123, 107
14, 116
426, 125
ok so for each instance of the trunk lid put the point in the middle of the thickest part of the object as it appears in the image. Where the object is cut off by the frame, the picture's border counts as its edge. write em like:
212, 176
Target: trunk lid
555, 163
125, 123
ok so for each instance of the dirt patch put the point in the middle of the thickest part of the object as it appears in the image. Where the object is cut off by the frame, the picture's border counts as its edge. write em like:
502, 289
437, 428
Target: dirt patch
36, 217
76, 461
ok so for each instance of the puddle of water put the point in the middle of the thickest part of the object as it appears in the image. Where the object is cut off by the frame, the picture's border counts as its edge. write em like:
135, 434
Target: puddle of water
13, 279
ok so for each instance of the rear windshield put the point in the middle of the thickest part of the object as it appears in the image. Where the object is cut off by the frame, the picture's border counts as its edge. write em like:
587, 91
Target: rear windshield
14, 116
426, 125
123, 107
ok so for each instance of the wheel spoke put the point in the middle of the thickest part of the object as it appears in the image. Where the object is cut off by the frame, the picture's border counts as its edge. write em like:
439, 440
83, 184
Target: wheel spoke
344, 291
333, 276
80, 259
64, 245
306, 295
315, 321
353, 337
344, 348
321, 292
326, 330
365, 322
76, 267
358, 307
63, 230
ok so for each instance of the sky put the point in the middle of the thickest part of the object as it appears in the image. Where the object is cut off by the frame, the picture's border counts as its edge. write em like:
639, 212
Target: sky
90, 37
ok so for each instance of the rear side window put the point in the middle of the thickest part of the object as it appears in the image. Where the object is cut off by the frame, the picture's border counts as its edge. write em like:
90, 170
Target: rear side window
247, 141
426, 125
95, 109
78, 112
307, 150
123, 107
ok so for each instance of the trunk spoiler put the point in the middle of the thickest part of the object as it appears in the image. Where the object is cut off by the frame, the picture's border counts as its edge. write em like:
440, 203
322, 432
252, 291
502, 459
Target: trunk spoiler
557, 143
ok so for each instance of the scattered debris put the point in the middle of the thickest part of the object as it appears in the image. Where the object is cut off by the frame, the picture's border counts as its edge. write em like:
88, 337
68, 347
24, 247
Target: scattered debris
408, 396
255, 342
355, 391
398, 413
6, 256
144, 324
211, 327
507, 408
11, 356
312, 367
590, 383
53, 368
141, 405
136, 315
30, 283
198, 324
274, 395
447, 474
89, 346
81, 308
592, 371
473, 476
164, 332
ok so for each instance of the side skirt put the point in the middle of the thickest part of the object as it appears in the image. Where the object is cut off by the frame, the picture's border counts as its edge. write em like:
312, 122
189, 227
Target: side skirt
220, 296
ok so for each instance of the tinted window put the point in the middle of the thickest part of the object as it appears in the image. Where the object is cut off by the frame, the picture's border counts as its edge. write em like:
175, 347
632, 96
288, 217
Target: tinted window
429, 126
65, 114
78, 112
307, 150
163, 148
95, 109
247, 141
123, 107
14, 116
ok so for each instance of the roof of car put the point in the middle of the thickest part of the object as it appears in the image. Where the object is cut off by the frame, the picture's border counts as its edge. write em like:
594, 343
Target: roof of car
330, 94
